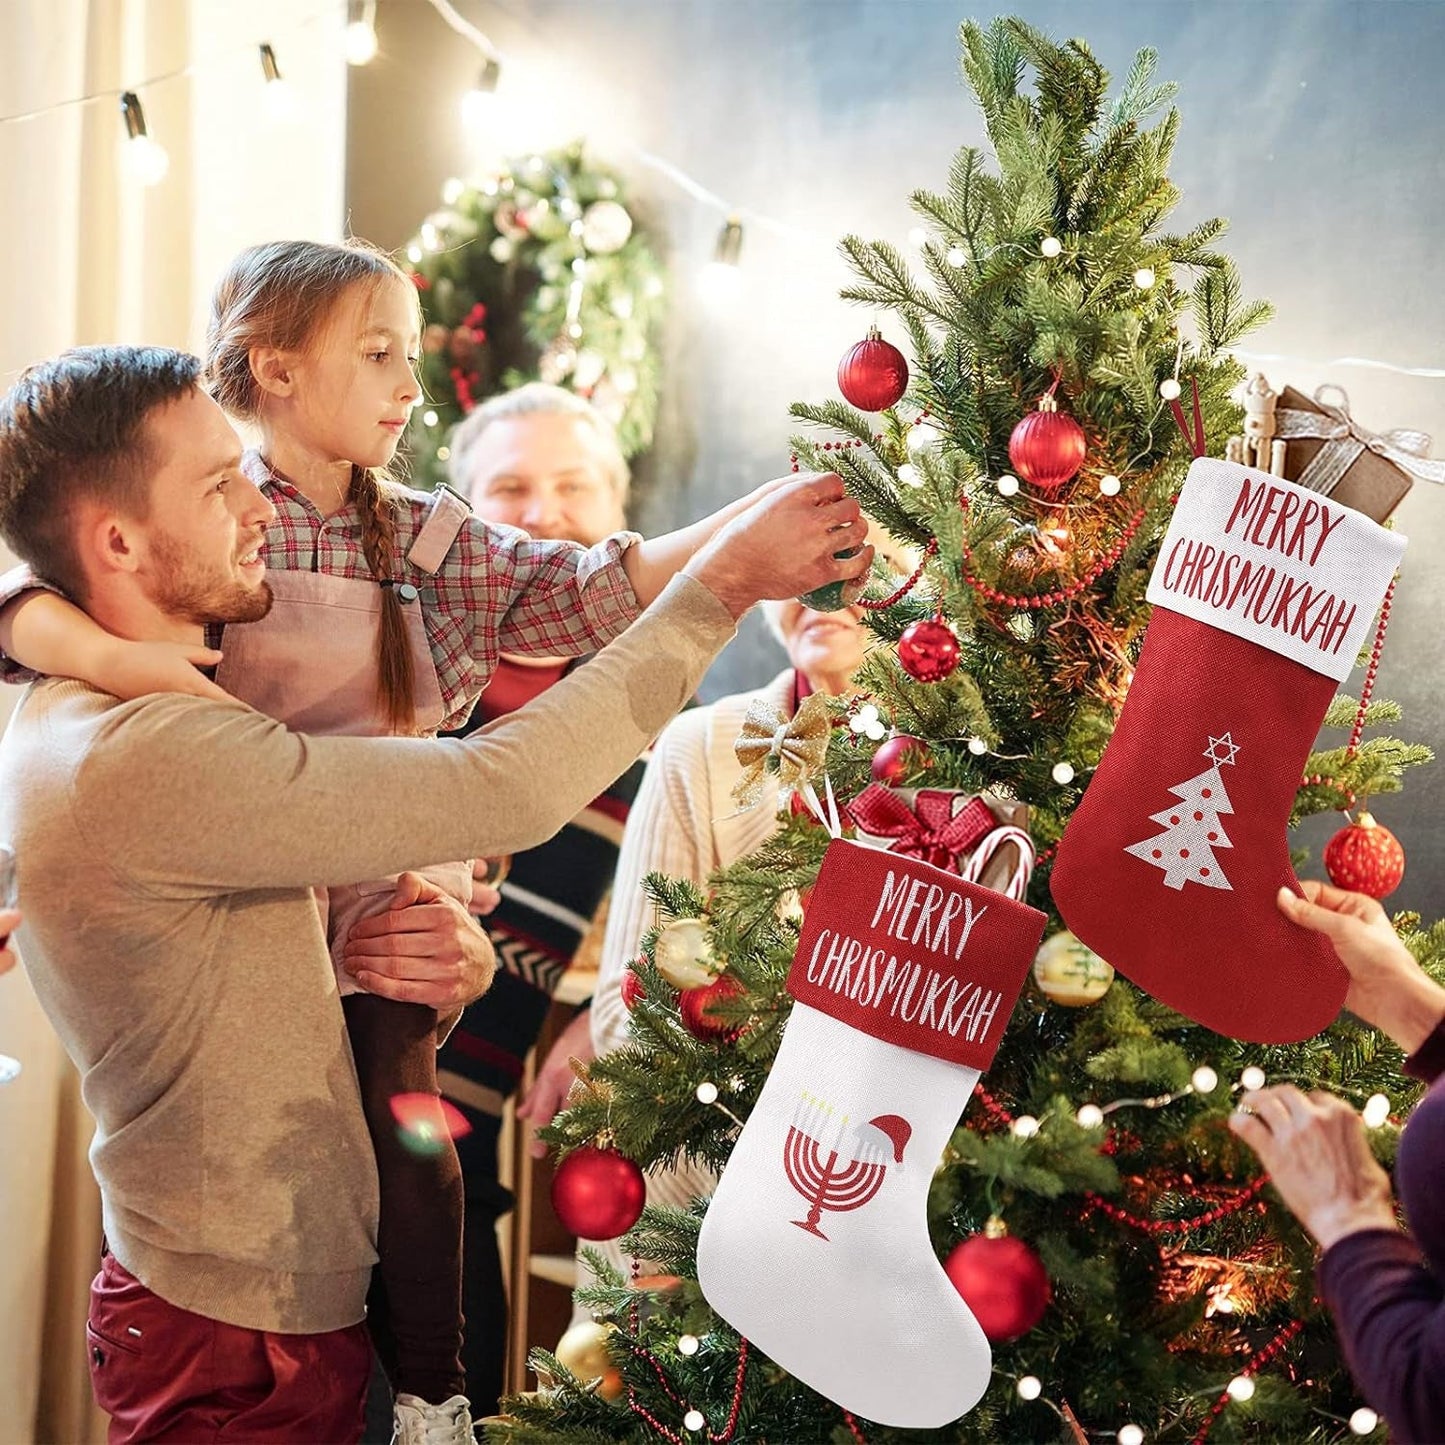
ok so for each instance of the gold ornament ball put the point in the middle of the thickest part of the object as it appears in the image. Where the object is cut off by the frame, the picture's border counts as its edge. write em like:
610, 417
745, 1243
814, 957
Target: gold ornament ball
682, 954
583, 1350
1070, 973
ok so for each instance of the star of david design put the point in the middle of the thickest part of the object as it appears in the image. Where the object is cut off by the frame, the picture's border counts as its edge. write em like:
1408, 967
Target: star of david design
1228, 746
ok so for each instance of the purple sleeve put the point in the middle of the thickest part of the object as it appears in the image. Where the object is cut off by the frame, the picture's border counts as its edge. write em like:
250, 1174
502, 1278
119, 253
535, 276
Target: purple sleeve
14, 583
1390, 1317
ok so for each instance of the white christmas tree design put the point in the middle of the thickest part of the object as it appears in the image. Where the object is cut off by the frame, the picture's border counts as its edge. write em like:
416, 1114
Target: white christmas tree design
1192, 829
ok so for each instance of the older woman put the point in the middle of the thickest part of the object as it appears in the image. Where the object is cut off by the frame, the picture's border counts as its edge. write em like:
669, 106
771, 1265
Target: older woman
1385, 1288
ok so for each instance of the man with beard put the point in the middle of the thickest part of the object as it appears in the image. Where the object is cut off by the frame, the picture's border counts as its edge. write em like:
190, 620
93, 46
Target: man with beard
166, 850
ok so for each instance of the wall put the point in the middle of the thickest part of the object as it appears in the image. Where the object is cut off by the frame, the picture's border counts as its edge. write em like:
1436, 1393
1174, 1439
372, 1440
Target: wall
1312, 124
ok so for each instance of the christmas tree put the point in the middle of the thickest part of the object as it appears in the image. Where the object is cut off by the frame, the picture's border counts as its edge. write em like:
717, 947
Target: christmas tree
1156, 1288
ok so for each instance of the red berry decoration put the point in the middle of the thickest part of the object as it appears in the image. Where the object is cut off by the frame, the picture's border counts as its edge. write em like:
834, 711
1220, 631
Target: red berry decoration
1002, 1280
928, 650
695, 1005
899, 758
598, 1193
1365, 858
1047, 446
873, 375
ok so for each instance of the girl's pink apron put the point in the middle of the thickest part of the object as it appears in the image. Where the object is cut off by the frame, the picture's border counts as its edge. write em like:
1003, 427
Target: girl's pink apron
311, 663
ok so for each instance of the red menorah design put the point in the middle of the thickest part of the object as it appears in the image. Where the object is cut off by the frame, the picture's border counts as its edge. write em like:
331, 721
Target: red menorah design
824, 1175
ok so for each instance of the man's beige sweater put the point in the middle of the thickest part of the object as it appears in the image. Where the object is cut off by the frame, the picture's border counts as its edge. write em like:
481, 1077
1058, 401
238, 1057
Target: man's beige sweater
166, 851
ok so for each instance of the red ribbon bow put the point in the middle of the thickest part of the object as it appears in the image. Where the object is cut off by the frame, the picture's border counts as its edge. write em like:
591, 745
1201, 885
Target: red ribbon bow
930, 829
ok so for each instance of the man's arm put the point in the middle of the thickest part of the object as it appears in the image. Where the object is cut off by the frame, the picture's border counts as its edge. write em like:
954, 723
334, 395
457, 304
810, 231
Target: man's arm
196, 797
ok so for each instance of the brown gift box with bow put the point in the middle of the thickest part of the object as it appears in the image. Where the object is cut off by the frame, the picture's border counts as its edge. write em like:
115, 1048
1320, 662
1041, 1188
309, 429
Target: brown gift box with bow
1371, 484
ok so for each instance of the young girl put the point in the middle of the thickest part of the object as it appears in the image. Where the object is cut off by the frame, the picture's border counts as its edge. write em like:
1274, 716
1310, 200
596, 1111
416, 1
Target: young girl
390, 608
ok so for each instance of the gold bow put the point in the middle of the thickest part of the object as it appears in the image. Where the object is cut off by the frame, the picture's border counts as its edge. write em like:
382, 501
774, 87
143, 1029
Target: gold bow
771, 742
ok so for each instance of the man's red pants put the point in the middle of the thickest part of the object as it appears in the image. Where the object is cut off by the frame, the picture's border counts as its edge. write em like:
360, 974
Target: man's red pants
162, 1373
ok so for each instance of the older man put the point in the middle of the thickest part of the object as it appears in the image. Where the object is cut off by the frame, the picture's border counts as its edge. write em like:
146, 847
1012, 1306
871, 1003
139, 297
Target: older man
166, 851
542, 459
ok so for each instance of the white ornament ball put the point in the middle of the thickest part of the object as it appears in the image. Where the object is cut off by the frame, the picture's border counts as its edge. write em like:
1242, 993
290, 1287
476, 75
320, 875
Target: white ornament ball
1144, 277
1007, 485
1376, 1112
707, 1092
429, 417
923, 435
683, 954
1063, 773
1030, 1387
1025, 1126
688, 1344
500, 250
1364, 1421
1204, 1079
909, 475
1109, 485
1252, 1077
413, 253
1130, 1435
1241, 1387
1050, 246
605, 227
693, 1420
1070, 973
1090, 1116
957, 256
452, 191
1170, 389
917, 237
977, 746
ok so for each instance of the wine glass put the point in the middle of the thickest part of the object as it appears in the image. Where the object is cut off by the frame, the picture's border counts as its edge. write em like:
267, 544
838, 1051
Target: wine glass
9, 1068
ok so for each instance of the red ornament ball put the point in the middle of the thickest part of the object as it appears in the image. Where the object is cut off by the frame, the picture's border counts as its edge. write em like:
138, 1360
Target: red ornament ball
695, 1003
899, 758
873, 374
632, 989
1003, 1281
928, 650
1047, 446
1365, 858
598, 1193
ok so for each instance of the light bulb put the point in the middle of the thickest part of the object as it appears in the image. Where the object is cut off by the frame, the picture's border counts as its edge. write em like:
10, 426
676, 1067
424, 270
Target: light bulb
429, 417
144, 159
1130, 1435
360, 43
1252, 1077
1144, 277
279, 99
693, 1420
1170, 389
1063, 774
1204, 1079
909, 475
479, 104
917, 237
1376, 1111
687, 1344
1025, 1126
452, 191
1241, 1387
1007, 485
1050, 246
1109, 485
1030, 1387
957, 256
1364, 1421
707, 1092
1090, 1116
444, 454
923, 435
413, 253
977, 746
719, 284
